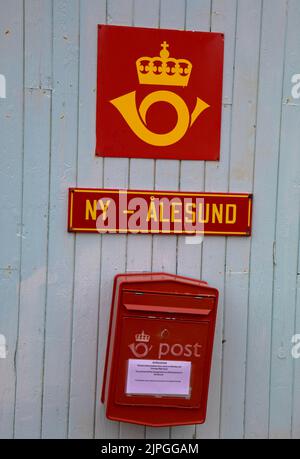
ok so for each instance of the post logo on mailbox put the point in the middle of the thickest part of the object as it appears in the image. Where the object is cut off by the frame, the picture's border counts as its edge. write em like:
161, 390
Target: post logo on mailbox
140, 348
159, 93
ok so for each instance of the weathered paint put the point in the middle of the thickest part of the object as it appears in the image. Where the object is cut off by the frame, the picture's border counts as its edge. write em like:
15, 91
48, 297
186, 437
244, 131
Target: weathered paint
56, 286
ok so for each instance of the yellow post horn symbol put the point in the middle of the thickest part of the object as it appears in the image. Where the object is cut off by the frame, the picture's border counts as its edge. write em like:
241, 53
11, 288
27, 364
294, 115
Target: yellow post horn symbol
136, 119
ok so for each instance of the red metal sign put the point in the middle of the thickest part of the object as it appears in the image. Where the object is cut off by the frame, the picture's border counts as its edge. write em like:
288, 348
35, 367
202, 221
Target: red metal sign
159, 93
159, 212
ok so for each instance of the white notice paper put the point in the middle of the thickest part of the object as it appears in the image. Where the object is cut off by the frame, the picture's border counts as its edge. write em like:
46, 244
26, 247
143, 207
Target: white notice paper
158, 377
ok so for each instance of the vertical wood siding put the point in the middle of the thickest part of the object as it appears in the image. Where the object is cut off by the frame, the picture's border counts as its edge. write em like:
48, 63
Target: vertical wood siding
55, 287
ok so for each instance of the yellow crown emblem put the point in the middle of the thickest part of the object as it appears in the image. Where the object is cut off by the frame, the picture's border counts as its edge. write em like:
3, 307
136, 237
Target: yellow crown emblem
142, 338
164, 70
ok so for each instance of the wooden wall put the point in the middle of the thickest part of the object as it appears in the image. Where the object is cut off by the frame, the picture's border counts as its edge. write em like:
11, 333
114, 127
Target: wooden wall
56, 287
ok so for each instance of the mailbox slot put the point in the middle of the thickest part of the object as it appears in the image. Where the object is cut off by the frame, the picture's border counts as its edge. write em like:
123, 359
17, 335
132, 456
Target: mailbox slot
170, 310
168, 303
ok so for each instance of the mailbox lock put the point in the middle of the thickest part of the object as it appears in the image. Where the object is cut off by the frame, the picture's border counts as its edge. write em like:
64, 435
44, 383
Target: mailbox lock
164, 333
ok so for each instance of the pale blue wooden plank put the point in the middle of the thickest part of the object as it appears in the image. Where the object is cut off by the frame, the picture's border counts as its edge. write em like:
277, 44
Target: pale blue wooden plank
197, 16
120, 12
164, 250
296, 391
292, 53
113, 252
145, 13
138, 255
113, 255
61, 243
287, 234
224, 14
141, 176
11, 157
265, 186
172, 14
139, 246
166, 177
189, 255
29, 357
188, 262
141, 171
284, 291
216, 179
37, 107
38, 39
238, 249
83, 400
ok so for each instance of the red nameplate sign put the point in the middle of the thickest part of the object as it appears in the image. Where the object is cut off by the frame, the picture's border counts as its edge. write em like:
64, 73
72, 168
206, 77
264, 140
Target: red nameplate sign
159, 93
159, 212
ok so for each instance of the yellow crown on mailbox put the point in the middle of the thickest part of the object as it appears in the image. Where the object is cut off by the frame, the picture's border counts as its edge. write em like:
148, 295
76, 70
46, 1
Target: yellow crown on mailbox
142, 337
164, 70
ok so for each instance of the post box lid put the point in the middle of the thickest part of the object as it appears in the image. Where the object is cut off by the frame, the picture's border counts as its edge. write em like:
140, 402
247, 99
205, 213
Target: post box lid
162, 282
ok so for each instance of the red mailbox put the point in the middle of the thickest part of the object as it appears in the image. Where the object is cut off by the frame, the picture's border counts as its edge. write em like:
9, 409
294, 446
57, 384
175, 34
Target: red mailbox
159, 349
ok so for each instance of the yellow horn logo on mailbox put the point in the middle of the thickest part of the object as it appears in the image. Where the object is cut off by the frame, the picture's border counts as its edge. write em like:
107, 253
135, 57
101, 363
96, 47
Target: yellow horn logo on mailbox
165, 71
